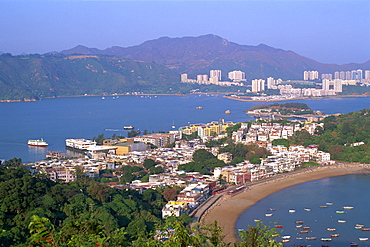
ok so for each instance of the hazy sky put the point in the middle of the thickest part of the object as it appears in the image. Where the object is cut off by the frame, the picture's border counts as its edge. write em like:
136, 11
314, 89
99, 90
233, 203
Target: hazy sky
329, 31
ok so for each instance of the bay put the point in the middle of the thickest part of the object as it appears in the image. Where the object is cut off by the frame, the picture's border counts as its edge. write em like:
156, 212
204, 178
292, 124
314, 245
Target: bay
85, 117
348, 190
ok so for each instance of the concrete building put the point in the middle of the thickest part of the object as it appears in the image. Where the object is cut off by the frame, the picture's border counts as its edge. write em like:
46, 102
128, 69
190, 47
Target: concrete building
184, 77
258, 85
310, 75
215, 75
236, 76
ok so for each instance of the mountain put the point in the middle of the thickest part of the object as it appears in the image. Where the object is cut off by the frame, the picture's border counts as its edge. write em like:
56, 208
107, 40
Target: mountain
198, 55
38, 76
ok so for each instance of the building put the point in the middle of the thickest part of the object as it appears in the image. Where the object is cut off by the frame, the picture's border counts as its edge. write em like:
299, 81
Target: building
236, 76
310, 75
270, 82
215, 75
157, 139
184, 77
258, 85
325, 84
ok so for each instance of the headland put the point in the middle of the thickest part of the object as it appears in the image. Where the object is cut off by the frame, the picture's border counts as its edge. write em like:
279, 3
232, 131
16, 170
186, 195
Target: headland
227, 210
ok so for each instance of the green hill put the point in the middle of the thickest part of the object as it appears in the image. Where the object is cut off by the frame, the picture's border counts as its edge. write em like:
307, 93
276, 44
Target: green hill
38, 76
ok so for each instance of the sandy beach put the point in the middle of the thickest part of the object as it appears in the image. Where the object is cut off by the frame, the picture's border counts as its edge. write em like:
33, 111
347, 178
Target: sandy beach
228, 209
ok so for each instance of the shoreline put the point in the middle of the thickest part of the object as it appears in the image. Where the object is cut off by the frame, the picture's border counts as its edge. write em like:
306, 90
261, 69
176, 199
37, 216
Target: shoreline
178, 94
228, 210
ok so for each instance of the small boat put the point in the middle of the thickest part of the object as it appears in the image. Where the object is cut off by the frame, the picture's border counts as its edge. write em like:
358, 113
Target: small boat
241, 229
285, 240
348, 207
353, 244
285, 237
299, 221
329, 203
326, 239
130, 127
340, 212
299, 238
227, 112
199, 107
272, 209
307, 209
334, 235
323, 206
363, 239
279, 226
268, 215
305, 231
342, 221
257, 220
311, 238
291, 210
331, 229
298, 226
103, 97
37, 143
306, 227
358, 227
365, 229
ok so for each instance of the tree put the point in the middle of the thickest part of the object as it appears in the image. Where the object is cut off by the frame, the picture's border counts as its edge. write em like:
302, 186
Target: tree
149, 163
42, 231
259, 236
169, 194
202, 155
284, 142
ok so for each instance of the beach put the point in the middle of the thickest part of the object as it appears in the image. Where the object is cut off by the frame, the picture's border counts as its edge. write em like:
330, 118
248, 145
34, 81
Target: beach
228, 209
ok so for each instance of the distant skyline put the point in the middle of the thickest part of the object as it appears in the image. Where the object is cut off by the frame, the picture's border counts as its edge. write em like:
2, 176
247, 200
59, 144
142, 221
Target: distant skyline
328, 31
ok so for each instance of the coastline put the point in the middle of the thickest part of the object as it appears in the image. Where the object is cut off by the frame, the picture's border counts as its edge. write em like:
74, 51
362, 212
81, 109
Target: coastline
227, 210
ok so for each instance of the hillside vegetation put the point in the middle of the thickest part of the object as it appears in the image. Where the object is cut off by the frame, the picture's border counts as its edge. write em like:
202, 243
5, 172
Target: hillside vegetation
345, 137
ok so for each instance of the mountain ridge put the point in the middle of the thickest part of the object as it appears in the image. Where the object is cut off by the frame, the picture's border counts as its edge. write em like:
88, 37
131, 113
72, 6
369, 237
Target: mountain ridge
197, 55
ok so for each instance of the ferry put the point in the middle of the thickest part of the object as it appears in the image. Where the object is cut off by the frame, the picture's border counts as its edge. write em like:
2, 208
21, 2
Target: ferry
130, 127
38, 143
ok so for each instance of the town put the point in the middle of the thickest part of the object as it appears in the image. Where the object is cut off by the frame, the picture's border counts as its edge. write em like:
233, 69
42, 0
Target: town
169, 151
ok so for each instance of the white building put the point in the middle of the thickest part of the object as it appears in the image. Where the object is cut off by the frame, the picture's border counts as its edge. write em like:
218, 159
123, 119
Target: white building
258, 85
310, 75
236, 76
215, 75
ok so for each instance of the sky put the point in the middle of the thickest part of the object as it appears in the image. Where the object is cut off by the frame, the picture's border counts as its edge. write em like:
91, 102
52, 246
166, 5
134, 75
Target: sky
328, 31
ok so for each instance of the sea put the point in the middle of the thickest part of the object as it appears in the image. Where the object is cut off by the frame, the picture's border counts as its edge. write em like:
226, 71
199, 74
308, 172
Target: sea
58, 119
304, 202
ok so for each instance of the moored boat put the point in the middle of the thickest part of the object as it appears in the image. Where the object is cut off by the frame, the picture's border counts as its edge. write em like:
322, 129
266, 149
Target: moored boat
334, 235
299, 221
331, 229
305, 231
329, 203
363, 239
291, 210
326, 239
365, 229
268, 215
129, 127
342, 221
323, 206
279, 226
340, 212
306, 227
311, 238
286, 237
307, 209
348, 207
38, 143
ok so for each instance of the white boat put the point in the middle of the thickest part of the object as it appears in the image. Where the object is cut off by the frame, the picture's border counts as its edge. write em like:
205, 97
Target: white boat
268, 215
37, 143
326, 239
285, 237
329, 203
291, 210
363, 239
348, 207
307, 209
130, 127
342, 221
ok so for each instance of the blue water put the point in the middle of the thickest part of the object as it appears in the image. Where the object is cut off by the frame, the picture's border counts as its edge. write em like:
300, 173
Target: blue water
341, 191
85, 117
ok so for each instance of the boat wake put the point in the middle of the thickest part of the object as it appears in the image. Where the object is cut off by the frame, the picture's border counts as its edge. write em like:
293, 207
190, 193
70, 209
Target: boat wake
113, 129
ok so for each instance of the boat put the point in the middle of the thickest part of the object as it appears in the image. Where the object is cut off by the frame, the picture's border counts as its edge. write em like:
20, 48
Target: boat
279, 226
298, 226
342, 221
307, 209
286, 237
130, 127
358, 227
257, 220
272, 209
363, 239
268, 215
323, 206
329, 203
285, 240
348, 207
291, 210
199, 107
37, 143
311, 238
299, 238
306, 227
227, 112
334, 235
326, 239
305, 231
340, 212
365, 229
353, 244
361, 225
299, 221
331, 229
